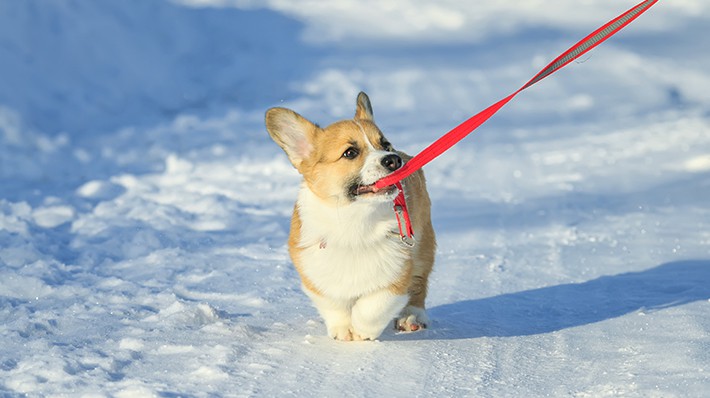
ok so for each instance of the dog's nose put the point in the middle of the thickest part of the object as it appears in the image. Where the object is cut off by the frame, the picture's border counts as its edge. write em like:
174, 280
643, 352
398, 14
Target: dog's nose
392, 162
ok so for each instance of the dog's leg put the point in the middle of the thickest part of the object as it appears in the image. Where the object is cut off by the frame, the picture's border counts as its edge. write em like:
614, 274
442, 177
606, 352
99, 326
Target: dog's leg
413, 316
335, 313
372, 313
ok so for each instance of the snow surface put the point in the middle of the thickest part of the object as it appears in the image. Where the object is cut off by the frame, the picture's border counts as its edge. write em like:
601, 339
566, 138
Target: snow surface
144, 210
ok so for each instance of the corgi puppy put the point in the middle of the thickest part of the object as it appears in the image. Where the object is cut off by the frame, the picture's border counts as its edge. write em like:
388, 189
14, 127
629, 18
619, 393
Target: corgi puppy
344, 239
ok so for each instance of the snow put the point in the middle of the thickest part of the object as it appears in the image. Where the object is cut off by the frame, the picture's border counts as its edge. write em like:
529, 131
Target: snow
144, 210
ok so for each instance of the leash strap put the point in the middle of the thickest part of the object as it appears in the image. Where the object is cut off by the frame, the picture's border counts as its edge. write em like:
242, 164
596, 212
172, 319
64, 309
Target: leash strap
406, 232
462, 130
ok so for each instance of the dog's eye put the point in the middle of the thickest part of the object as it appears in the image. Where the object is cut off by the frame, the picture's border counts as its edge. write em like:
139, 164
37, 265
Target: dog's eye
387, 146
351, 153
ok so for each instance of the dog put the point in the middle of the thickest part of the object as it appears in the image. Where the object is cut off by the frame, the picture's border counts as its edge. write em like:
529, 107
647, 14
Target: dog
345, 239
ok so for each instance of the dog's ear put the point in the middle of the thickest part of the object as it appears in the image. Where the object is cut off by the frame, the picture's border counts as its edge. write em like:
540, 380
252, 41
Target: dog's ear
292, 132
363, 108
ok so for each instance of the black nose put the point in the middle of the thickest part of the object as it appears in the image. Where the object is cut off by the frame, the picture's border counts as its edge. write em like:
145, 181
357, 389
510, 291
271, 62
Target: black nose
392, 162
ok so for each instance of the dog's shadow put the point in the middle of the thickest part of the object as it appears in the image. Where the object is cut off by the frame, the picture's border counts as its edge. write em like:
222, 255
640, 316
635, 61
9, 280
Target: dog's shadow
560, 307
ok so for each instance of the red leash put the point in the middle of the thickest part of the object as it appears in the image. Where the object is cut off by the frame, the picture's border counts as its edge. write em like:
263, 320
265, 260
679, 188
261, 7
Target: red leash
462, 130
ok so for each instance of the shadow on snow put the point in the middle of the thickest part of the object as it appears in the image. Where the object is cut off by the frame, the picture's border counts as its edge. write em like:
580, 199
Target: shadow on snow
560, 307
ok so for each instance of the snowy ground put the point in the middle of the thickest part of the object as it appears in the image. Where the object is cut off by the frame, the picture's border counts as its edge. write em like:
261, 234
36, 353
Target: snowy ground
144, 211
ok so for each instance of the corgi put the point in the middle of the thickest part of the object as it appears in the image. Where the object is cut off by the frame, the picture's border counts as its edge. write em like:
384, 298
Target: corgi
344, 239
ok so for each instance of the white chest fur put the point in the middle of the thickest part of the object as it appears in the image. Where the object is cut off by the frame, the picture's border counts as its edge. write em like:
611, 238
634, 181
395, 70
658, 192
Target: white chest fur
349, 251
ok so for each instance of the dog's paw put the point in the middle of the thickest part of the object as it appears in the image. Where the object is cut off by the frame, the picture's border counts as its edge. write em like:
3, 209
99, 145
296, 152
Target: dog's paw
348, 334
409, 324
362, 337
411, 319
357, 337
341, 333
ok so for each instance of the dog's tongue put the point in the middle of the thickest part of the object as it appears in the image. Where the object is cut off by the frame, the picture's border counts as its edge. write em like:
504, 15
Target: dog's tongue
363, 189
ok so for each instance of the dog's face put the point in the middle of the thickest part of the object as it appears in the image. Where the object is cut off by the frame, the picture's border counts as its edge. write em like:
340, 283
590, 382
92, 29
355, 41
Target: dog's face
342, 161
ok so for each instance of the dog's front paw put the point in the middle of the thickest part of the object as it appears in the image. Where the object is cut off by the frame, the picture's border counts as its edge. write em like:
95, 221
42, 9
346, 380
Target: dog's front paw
363, 337
346, 333
411, 319
341, 333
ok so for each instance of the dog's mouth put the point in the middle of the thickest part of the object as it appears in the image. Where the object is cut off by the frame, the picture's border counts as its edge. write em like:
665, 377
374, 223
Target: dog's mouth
359, 190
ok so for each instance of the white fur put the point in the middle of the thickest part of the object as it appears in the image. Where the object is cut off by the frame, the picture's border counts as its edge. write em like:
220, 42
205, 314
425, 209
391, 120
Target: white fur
372, 313
372, 169
351, 259
359, 256
336, 314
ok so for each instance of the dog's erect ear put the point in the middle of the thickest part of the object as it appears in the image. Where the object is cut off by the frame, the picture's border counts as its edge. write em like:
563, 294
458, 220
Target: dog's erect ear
363, 110
292, 132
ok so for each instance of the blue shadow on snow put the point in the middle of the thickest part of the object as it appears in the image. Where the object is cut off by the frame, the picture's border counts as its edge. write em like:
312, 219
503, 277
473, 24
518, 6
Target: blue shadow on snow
555, 308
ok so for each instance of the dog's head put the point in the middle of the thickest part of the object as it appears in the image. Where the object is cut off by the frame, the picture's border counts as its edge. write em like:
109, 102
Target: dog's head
340, 163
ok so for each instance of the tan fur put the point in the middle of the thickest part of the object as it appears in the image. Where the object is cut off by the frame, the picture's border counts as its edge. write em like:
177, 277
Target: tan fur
294, 251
